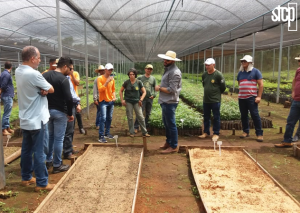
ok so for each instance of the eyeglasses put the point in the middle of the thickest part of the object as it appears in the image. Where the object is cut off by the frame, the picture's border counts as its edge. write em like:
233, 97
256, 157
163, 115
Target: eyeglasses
243, 61
167, 60
149, 69
132, 74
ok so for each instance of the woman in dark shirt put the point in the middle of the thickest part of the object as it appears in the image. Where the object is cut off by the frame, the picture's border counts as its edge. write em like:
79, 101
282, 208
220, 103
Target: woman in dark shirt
133, 101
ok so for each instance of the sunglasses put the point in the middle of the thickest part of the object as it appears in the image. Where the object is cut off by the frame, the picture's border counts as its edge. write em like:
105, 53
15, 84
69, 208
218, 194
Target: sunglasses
298, 60
243, 61
71, 68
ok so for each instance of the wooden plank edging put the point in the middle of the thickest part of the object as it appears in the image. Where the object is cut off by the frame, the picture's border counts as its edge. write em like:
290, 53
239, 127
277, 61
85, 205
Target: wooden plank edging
273, 179
12, 157
137, 181
114, 145
198, 184
50, 195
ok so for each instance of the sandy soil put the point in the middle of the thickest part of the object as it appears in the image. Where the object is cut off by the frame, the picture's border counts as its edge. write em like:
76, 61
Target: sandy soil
233, 183
9, 151
104, 180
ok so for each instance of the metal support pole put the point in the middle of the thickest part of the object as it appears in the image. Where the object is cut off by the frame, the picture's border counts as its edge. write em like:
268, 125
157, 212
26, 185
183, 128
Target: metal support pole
222, 59
58, 28
279, 63
188, 67
273, 62
107, 58
44, 61
288, 63
204, 60
261, 60
212, 52
253, 48
234, 64
99, 49
193, 66
198, 67
224, 65
86, 72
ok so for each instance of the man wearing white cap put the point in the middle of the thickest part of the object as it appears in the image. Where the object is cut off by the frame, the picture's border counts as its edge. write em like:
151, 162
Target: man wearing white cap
107, 98
214, 85
169, 88
149, 83
249, 96
100, 71
294, 114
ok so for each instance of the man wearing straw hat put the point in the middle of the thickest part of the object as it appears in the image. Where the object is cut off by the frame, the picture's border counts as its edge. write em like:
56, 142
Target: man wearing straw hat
100, 71
294, 114
169, 89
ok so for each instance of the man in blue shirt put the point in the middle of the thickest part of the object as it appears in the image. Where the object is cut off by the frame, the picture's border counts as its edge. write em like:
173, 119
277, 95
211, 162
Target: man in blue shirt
7, 95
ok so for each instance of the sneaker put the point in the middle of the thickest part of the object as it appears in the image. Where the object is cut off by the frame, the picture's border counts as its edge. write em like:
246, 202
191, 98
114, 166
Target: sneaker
61, 168
283, 145
245, 135
109, 136
295, 138
49, 187
82, 131
204, 135
215, 137
146, 135
29, 182
102, 140
97, 127
136, 131
49, 164
131, 135
260, 138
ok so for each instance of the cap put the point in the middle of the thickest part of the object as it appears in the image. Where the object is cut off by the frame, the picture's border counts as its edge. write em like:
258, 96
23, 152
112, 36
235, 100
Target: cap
109, 66
247, 58
149, 66
210, 61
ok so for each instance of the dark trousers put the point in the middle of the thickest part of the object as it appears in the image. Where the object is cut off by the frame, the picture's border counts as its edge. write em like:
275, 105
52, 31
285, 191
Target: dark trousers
291, 121
215, 108
147, 107
79, 120
246, 106
68, 139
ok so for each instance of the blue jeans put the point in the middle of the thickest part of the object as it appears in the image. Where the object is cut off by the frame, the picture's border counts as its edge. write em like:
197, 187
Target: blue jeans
57, 128
7, 103
106, 110
33, 143
250, 105
98, 114
215, 108
168, 116
292, 119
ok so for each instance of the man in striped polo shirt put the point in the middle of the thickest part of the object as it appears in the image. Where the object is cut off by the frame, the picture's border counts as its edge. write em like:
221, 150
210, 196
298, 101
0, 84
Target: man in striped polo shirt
249, 96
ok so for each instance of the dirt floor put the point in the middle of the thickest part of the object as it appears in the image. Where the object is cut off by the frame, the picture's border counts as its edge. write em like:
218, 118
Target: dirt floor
167, 183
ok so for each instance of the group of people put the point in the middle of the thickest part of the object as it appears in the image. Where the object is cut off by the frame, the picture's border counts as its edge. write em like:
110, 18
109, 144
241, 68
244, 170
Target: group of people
48, 104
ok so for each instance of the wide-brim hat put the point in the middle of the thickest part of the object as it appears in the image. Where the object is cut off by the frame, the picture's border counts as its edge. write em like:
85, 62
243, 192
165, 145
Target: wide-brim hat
298, 57
101, 67
170, 55
56, 61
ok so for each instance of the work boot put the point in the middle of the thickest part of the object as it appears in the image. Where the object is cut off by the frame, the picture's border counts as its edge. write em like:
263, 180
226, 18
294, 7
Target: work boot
283, 145
10, 130
244, 135
169, 150
215, 137
260, 138
136, 131
165, 146
204, 135
49, 187
29, 182
5, 132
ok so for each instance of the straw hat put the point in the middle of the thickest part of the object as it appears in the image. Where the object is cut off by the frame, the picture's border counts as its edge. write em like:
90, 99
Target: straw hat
298, 57
170, 55
101, 67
